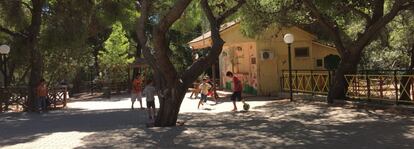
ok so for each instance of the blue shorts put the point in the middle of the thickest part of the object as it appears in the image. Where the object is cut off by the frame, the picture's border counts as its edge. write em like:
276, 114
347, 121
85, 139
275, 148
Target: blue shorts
203, 98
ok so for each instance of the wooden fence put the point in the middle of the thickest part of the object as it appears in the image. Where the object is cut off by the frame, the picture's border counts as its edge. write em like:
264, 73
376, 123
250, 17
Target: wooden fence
394, 85
17, 98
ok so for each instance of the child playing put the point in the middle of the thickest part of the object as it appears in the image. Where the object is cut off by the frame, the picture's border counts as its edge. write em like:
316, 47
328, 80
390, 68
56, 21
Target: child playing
204, 88
196, 90
149, 92
136, 91
237, 90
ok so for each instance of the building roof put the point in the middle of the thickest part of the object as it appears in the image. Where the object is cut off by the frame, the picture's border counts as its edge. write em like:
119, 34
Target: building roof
208, 34
231, 24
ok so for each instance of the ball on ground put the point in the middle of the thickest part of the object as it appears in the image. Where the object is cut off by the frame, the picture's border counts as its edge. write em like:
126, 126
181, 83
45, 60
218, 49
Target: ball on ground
246, 106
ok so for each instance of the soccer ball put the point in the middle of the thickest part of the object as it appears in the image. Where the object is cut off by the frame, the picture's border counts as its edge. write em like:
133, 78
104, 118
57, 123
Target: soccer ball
246, 106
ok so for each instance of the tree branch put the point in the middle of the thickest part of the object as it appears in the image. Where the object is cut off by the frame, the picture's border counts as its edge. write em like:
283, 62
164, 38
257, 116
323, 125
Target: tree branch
27, 5
231, 11
161, 43
331, 28
141, 34
217, 42
173, 15
378, 11
407, 6
359, 12
373, 29
12, 33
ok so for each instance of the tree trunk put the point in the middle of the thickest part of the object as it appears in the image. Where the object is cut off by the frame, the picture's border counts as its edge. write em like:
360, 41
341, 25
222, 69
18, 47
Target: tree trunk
36, 60
170, 99
137, 55
96, 61
170, 105
348, 65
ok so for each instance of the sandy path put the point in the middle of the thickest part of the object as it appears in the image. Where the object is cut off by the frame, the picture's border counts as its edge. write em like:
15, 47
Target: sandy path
103, 123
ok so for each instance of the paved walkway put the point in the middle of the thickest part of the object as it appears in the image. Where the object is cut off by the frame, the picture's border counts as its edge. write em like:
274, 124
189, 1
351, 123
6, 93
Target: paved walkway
103, 123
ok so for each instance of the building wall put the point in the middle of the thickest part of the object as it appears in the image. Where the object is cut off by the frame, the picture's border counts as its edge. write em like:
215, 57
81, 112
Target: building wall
270, 70
321, 52
242, 56
241, 59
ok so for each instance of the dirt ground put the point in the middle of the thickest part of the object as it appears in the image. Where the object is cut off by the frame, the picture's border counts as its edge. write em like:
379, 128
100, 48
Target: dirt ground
270, 123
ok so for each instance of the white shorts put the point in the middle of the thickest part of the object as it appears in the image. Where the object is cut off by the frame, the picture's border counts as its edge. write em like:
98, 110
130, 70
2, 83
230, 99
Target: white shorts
136, 96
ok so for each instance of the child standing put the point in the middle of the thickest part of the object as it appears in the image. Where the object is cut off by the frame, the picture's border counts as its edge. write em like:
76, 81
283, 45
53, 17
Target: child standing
41, 92
237, 90
204, 88
136, 91
149, 93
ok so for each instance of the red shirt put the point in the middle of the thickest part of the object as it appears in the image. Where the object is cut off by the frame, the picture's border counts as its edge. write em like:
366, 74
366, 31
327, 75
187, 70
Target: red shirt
237, 85
136, 86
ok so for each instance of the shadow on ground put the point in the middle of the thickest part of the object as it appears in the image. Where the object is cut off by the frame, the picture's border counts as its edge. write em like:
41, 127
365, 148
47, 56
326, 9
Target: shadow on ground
279, 124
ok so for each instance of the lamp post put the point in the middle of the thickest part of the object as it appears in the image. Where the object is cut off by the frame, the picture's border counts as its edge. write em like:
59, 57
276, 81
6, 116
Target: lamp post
289, 38
4, 52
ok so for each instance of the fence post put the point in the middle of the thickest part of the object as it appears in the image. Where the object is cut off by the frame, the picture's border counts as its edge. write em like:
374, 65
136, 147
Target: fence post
65, 90
396, 87
296, 81
312, 83
329, 80
368, 86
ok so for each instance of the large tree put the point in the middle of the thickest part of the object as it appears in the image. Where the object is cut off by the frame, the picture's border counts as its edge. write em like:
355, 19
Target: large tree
376, 16
44, 32
156, 50
349, 24
30, 36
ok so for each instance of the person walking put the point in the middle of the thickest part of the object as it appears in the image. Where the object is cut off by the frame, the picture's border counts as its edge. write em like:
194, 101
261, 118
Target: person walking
136, 91
204, 89
237, 90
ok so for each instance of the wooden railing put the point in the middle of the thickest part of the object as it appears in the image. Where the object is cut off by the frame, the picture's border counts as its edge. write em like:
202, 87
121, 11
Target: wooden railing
394, 87
307, 81
385, 85
16, 98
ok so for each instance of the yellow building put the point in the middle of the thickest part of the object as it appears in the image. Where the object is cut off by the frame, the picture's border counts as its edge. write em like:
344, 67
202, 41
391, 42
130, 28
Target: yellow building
259, 61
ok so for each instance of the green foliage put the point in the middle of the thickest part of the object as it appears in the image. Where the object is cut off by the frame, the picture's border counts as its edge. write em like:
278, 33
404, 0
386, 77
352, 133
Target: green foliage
66, 25
331, 61
14, 14
393, 49
114, 59
259, 15
110, 11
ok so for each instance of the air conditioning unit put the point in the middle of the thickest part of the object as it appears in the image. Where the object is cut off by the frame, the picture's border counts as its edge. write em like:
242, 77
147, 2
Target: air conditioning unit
266, 55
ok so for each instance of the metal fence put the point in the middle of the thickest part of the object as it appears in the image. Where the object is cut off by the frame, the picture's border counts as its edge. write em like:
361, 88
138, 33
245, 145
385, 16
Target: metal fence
387, 85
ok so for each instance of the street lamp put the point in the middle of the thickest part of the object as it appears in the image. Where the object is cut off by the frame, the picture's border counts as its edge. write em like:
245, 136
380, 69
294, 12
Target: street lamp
4, 51
289, 38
